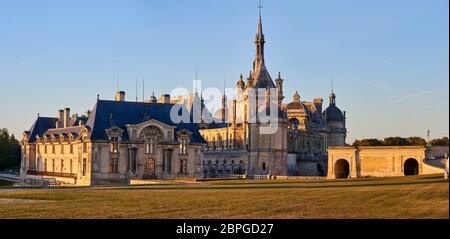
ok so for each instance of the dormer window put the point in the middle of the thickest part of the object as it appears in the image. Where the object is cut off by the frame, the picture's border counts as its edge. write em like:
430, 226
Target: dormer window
114, 145
183, 146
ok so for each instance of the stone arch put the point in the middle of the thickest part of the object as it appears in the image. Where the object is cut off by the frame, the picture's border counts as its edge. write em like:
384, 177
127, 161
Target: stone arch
411, 167
341, 169
152, 132
294, 123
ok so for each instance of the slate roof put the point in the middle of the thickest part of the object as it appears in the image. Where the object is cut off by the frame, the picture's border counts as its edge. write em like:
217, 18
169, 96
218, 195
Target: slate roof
333, 113
40, 126
107, 114
64, 131
262, 78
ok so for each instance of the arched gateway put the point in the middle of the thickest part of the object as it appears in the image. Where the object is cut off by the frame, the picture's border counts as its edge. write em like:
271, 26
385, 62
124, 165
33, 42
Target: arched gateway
411, 167
341, 169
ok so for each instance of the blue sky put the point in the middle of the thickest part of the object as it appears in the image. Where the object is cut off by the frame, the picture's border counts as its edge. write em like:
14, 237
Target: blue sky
389, 58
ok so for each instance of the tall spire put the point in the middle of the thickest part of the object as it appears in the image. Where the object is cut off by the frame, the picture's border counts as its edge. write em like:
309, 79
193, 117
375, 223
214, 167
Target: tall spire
260, 76
259, 41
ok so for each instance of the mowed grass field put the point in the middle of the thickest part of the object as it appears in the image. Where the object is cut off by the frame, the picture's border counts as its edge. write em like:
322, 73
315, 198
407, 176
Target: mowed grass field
405, 197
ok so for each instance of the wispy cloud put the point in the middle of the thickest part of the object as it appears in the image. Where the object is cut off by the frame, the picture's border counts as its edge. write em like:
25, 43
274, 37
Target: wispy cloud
416, 96
372, 83
34, 60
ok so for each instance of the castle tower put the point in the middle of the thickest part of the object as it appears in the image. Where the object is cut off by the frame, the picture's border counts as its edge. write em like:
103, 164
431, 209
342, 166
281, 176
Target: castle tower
267, 151
336, 123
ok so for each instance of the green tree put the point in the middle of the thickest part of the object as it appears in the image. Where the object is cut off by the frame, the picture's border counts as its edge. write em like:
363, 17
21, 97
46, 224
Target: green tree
440, 142
9, 150
416, 141
368, 142
396, 141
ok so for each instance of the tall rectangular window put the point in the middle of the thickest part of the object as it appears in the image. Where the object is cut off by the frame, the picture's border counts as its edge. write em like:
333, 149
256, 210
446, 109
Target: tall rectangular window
71, 165
84, 147
183, 146
53, 149
62, 149
53, 165
71, 148
150, 146
183, 166
133, 160
45, 165
167, 160
114, 165
84, 167
45, 148
62, 165
114, 145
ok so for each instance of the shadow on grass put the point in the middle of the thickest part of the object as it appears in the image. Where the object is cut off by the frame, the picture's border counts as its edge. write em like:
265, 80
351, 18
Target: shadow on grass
234, 187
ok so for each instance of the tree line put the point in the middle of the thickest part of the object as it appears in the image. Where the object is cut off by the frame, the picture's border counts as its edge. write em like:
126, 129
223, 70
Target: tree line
400, 141
9, 151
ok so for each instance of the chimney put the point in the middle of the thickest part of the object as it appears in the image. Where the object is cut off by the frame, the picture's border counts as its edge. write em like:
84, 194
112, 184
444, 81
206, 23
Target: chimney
318, 102
60, 123
66, 117
164, 99
120, 96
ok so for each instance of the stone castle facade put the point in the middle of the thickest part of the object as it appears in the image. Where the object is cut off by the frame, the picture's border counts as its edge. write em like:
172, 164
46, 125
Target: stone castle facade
120, 141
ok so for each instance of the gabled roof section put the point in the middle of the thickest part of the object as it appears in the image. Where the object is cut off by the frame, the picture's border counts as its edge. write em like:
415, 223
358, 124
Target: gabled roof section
40, 126
107, 114
262, 78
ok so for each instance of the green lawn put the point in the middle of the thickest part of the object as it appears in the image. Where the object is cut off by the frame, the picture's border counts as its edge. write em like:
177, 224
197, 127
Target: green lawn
406, 197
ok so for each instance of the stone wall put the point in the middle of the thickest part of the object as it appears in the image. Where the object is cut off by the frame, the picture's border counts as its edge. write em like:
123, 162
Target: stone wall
377, 162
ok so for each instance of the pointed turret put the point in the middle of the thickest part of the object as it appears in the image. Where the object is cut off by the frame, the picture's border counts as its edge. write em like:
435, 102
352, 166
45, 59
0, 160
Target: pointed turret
261, 77
241, 84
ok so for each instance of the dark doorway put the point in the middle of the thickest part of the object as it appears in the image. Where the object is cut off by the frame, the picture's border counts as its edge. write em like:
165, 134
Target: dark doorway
341, 169
320, 170
149, 168
411, 167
